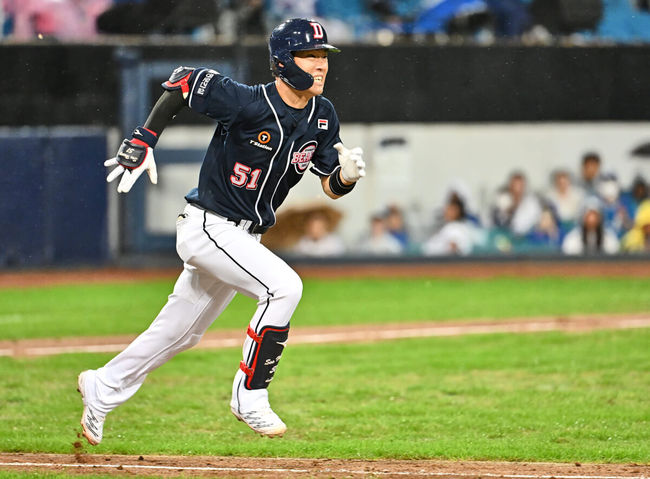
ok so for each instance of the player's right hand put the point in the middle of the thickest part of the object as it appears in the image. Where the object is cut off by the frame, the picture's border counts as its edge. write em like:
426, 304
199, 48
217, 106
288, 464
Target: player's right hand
132, 159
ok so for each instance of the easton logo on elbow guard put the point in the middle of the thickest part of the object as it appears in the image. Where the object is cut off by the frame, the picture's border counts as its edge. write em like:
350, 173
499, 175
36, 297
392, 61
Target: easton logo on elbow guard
204, 83
266, 354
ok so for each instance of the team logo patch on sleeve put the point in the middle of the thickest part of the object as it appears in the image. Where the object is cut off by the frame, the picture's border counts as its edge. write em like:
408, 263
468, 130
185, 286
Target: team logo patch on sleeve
323, 124
301, 158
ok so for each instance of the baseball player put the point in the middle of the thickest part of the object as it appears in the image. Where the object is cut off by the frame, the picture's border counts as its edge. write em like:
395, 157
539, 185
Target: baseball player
266, 137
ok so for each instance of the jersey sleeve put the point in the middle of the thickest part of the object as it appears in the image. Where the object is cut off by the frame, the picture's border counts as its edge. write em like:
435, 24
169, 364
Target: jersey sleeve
217, 96
326, 159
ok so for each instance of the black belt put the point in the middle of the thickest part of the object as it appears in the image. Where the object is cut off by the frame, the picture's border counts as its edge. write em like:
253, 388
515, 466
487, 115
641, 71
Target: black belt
253, 228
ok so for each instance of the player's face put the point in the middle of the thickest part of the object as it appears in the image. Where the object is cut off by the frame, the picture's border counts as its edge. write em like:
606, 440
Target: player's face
315, 63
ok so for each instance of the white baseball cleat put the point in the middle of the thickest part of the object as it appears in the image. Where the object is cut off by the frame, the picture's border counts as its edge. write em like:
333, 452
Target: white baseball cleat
263, 421
92, 423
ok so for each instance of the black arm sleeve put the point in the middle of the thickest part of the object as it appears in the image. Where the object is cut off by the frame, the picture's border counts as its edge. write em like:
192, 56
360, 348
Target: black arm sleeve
165, 109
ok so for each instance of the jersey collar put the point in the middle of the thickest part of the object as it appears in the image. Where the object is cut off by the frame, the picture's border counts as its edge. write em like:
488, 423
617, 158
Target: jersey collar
285, 112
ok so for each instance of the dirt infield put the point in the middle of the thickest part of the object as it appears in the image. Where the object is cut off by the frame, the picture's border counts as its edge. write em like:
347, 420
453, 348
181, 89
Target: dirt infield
485, 269
184, 466
342, 334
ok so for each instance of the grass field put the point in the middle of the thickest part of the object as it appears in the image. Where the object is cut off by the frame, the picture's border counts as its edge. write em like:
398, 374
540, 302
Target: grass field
128, 308
539, 397
548, 397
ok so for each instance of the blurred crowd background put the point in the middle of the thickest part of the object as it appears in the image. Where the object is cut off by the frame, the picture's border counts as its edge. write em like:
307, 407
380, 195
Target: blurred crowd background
585, 207
586, 211
371, 21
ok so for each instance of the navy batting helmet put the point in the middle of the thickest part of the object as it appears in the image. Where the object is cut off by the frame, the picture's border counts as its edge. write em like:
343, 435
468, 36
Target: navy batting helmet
291, 36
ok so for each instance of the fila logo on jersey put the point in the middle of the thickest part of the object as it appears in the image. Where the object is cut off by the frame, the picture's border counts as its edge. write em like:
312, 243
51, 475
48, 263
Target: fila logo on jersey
302, 157
205, 81
262, 139
323, 124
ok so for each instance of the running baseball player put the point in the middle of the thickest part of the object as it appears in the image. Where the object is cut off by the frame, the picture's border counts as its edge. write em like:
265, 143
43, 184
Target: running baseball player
266, 137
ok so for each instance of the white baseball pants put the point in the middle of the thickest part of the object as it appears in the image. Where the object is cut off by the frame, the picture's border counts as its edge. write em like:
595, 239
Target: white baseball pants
220, 259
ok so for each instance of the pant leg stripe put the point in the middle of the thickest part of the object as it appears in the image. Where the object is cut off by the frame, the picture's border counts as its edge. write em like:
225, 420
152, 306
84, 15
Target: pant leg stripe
252, 348
205, 215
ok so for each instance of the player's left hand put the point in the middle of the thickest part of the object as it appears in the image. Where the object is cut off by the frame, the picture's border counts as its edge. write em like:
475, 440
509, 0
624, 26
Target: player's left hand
132, 160
352, 164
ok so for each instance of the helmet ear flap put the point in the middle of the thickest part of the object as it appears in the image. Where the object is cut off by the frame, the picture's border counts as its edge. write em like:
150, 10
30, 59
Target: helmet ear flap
285, 67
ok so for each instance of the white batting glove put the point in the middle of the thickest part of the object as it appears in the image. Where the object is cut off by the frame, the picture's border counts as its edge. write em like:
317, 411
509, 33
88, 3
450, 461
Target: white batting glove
352, 164
132, 160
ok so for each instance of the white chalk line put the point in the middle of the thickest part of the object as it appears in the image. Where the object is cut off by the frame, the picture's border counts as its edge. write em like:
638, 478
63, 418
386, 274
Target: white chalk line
350, 336
326, 470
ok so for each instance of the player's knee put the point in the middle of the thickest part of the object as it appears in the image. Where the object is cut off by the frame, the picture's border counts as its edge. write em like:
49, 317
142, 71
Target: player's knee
290, 288
192, 341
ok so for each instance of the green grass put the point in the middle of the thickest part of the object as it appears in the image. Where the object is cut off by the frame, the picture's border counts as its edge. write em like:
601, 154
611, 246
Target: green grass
543, 397
128, 308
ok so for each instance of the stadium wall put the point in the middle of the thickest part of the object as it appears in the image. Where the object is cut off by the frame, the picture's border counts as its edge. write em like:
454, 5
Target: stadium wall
55, 84
53, 197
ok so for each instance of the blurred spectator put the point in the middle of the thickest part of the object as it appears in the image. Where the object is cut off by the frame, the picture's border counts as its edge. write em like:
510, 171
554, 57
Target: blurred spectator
461, 189
590, 236
625, 21
318, 240
346, 20
515, 209
396, 226
61, 19
342, 17
251, 15
638, 238
464, 17
590, 173
159, 16
637, 193
384, 9
379, 241
613, 212
559, 17
546, 235
468, 17
510, 17
457, 236
565, 198
280, 10
4, 21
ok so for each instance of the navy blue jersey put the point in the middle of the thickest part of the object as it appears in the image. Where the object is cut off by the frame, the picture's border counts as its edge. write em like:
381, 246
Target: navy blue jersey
261, 147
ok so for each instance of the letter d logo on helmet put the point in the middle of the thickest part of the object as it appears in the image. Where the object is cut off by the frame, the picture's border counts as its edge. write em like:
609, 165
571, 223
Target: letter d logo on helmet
297, 34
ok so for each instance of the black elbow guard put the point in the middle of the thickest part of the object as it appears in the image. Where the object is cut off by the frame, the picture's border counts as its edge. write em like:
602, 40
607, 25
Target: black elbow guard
179, 80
